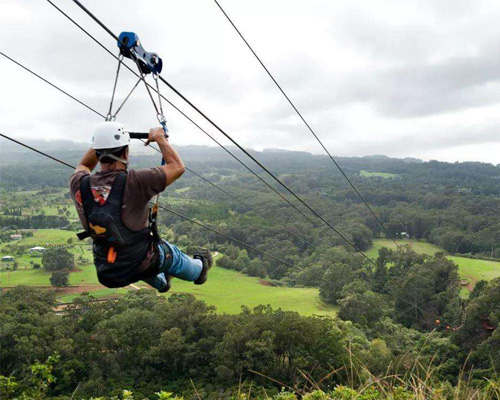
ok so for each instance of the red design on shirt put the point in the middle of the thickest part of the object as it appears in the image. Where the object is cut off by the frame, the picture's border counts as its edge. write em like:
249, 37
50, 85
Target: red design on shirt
78, 198
100, 194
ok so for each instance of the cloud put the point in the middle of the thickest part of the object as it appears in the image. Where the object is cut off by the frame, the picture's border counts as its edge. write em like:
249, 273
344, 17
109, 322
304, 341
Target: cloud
417, 78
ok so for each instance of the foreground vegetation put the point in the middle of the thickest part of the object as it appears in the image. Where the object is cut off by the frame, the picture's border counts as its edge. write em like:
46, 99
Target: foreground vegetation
148, 344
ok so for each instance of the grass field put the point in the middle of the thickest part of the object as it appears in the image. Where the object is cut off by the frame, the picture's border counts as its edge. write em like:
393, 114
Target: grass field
369, 174
471, 269
477, 269
419, 247
227, 290
39, 277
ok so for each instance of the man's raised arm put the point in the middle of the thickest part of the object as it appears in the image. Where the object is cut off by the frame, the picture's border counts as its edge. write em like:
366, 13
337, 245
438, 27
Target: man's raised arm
88, 162
174, 167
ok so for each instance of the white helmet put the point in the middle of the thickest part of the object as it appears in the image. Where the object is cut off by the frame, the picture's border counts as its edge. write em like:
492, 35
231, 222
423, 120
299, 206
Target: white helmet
110, 135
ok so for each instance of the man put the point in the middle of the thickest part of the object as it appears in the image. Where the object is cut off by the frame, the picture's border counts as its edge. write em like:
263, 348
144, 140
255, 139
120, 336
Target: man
113, 206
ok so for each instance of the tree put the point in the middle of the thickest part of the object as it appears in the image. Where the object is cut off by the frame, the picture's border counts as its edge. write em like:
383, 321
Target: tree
363, 308
478, 289
333, 282
426, 292
256, 268
225, 262
59, 278
58, 258
482, 319
243, 261
380, 276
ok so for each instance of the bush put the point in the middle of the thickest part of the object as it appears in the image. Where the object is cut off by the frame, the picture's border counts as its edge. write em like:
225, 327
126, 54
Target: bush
58, 258
59, 278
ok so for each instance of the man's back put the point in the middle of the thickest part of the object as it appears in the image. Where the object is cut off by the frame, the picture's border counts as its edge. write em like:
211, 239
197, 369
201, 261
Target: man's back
142, 185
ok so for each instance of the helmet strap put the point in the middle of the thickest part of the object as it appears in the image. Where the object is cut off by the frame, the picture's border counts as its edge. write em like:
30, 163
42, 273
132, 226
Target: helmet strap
106, 154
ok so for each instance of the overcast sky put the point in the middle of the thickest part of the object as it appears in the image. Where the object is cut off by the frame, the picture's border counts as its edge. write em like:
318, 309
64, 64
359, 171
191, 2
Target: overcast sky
404, 78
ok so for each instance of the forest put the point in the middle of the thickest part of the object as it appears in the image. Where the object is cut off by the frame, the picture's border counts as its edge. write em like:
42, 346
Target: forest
399, 314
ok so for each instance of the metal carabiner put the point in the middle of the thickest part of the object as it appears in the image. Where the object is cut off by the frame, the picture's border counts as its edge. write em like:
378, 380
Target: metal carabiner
163, 122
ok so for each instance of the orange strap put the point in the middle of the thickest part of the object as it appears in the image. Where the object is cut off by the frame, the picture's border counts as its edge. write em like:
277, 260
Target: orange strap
111, 255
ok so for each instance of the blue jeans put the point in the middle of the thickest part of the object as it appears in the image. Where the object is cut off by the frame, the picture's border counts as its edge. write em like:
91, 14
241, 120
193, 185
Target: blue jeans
175, 263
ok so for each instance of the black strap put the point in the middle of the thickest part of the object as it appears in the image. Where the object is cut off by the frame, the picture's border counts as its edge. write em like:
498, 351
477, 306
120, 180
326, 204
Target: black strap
153, 227
118, 190
83, 235
86, 192
86, 195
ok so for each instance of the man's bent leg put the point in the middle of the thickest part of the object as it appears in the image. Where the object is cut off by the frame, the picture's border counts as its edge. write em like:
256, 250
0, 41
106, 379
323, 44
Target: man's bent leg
180, 266
159, 282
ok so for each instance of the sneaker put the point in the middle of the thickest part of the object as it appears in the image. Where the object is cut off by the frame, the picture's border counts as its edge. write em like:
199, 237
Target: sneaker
206, 258
168, 286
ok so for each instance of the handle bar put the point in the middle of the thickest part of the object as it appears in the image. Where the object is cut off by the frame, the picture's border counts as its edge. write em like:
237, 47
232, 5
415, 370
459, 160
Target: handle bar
138, 135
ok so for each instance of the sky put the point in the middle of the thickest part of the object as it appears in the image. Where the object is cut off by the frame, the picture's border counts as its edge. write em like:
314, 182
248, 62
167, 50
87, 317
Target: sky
413, 78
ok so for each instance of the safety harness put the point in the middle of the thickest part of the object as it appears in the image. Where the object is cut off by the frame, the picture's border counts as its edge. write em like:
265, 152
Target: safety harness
119, 252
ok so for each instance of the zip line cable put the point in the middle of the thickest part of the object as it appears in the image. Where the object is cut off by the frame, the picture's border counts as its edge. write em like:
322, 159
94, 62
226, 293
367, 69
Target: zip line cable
36, 151
306, 123
154, 148
235, 143
51, 84
162, 207
188, 118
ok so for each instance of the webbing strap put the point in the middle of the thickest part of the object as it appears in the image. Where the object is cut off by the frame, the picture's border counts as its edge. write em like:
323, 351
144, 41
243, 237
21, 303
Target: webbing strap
83, 235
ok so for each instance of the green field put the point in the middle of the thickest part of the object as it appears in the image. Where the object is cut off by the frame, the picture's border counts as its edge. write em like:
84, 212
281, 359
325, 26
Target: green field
227, 290
370, 174
39, 277
470, 269
477, 269
417, 246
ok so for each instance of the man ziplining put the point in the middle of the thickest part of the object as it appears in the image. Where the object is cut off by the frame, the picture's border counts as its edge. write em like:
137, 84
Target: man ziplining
113, 207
